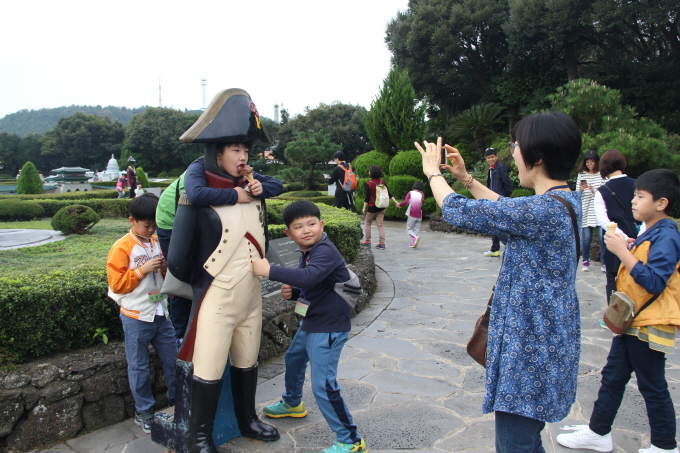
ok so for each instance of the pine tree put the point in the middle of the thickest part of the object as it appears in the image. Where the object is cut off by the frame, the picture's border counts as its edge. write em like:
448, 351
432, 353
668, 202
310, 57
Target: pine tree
29, 180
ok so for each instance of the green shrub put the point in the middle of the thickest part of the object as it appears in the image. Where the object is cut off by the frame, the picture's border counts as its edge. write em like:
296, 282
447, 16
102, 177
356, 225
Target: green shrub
141, 177
430, 206
309, 194
76, 219
363, 163
29, 180
40, 314
522, 193
103, 207
408, 163
342, 226
20, 210
161, 184
104, 193
294, 186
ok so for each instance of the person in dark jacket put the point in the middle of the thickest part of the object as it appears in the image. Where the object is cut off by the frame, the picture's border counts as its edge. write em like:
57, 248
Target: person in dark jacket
497, 180
613, 204
343, 199
324, 328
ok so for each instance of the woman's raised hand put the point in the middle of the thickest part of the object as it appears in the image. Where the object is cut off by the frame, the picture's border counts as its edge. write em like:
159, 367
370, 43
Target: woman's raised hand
431, 155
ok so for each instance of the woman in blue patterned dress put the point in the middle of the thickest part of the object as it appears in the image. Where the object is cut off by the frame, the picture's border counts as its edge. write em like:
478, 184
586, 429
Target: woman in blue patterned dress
535, 327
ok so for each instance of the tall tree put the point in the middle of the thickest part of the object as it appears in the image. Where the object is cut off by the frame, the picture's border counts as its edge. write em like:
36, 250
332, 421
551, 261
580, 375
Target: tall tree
343, 122
396, 118
310, 148
10, 157
82, 140
477, 121
153, 140
29, 181
452, 49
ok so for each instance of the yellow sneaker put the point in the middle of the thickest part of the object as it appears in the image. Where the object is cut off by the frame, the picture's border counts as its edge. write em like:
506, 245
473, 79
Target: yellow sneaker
282, 409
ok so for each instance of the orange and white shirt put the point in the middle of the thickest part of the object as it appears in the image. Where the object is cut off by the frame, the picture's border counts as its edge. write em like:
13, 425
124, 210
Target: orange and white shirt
136, 293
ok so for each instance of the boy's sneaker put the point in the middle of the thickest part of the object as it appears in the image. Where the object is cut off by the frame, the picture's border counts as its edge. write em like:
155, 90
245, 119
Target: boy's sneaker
586, 266
380, 246
415, 243
368, 243
144, 421
339, 447
653, 449
490, 253
584, 438
282, 409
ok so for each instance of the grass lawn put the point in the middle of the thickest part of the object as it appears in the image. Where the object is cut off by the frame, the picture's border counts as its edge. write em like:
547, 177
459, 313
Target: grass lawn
73, 252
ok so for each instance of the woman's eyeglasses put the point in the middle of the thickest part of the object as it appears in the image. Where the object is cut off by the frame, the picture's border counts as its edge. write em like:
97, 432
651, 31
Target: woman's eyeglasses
513, 146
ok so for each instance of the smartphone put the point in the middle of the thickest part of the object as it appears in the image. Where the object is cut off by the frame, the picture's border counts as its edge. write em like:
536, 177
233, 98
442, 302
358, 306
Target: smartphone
443, 159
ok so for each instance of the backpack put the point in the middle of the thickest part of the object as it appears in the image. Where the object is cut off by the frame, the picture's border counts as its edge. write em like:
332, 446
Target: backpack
349, 183
382, 196
350, 291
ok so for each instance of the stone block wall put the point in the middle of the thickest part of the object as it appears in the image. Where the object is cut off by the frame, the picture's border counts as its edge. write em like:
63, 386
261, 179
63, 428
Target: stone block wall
61, 396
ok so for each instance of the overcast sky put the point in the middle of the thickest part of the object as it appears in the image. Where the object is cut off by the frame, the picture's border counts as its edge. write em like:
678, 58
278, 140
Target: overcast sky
298, 52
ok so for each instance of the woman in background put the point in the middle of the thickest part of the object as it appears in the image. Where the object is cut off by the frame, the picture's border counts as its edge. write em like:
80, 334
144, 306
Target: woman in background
587, 182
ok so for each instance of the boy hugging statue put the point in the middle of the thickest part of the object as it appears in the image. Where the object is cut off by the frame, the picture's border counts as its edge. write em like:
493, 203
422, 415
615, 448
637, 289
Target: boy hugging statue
219, 230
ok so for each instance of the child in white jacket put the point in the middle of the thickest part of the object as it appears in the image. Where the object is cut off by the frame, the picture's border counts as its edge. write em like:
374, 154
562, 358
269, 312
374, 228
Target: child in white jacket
415, 199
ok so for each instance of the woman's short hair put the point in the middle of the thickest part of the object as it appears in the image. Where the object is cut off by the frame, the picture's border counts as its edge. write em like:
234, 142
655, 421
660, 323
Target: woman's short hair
592, 155
375, 172
611, 161
552, 138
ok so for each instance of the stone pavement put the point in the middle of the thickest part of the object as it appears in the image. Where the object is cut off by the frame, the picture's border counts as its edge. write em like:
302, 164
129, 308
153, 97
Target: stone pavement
405, 374
13, 239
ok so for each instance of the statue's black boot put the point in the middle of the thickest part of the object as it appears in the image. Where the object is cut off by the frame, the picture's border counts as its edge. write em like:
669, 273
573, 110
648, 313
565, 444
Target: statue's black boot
204, 398
243, 387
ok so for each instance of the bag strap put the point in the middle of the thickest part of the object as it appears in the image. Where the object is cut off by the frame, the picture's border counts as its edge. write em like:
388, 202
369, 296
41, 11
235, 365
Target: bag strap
649, 302
574, 223
627, 210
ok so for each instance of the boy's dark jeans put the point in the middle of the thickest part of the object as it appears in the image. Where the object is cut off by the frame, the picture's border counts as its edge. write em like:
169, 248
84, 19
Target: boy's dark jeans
180, 308
628, 354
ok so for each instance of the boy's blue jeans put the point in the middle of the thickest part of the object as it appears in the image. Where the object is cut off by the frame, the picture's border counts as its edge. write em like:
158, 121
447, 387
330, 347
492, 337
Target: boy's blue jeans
587, 238
138, 335
518, 434
322, 350
627, 354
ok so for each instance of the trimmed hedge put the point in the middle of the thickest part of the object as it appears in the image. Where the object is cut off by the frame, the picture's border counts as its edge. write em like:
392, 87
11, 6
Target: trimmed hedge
75, 219
105, 193
103, 207
20, 210
342, 226
161, 184
408, 163
361, 164
53, 312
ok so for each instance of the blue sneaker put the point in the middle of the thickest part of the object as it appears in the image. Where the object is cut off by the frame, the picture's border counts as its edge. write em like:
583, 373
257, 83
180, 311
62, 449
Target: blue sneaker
282, 409
380, 246
339, 447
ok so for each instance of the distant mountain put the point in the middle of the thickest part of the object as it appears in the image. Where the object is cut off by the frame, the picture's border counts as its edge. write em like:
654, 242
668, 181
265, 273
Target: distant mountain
41, 121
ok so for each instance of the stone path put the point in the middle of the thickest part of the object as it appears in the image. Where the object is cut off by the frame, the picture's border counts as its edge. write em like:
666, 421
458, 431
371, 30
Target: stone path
405, 374
13, 239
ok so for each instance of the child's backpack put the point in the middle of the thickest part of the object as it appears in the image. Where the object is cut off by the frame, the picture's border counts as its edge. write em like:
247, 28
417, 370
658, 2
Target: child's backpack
382, 196
349, 291
349, 183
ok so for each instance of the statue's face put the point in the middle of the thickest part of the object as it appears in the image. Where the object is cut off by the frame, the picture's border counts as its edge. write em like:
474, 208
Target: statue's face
233, 158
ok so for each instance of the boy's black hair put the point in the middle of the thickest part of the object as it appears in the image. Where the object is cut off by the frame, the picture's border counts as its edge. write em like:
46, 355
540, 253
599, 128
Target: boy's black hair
661, 183
299, 209
552, 137
143, 207
418, 185
339, 155
490, 152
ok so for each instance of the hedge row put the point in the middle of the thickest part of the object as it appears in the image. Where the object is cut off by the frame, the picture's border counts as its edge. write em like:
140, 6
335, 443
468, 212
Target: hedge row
161, 184
40, 314
53, 312
105, 193
16, 210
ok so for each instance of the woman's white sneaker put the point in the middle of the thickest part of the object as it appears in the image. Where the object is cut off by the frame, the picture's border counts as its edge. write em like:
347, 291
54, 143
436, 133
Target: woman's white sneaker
653, 449
583, 437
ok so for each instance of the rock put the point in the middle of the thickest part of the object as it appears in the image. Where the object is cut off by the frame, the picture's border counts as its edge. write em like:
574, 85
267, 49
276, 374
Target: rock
80, 370
103, 413
48, 424
44, 373
11, 410
102, 385
16, 380
55, 391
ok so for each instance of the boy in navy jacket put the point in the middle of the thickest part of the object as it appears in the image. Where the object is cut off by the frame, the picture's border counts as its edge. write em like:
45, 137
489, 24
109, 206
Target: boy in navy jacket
324, 328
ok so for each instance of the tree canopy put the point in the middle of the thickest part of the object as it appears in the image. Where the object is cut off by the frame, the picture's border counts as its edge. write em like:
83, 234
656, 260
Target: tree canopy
465, 52
310, 148
343, 122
